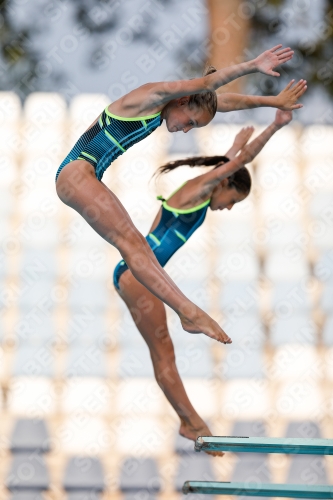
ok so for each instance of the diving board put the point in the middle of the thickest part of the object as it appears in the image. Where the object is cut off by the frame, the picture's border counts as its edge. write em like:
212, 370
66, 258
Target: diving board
258, 490
265, 445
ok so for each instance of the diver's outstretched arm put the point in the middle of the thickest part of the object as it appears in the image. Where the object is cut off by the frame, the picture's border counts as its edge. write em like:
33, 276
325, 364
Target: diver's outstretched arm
239, 142
152, 97
285, 100
246, 155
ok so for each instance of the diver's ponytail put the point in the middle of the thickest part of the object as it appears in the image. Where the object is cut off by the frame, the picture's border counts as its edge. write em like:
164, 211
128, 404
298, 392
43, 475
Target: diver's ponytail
209, 70
195, 161
240, 180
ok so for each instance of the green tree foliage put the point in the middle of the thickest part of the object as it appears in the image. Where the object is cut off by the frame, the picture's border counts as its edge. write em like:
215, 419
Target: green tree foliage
18, 59
276, 20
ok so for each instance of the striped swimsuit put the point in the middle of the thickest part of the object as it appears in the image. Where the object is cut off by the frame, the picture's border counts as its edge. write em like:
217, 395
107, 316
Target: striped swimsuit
109, 138
173, 230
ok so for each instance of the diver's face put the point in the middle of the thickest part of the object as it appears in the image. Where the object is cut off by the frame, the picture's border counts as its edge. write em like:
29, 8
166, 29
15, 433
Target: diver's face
225, 197
180, 117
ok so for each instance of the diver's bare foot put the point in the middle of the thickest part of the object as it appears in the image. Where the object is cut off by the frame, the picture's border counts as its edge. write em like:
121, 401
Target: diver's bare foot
200, 322
192, 432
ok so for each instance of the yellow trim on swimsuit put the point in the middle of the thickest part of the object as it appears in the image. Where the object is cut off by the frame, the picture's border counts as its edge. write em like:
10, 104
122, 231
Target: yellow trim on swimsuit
180, 210
137, 118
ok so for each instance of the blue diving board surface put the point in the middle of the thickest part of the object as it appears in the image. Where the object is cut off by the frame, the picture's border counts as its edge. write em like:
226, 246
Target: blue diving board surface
237, 444
258, 490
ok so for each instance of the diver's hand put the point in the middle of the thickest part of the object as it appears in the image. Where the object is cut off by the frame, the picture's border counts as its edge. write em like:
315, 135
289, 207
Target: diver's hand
270, 59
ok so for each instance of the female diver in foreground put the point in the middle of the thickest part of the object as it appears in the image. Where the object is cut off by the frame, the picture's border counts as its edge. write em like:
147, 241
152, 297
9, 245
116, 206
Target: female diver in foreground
183, 105
180, 215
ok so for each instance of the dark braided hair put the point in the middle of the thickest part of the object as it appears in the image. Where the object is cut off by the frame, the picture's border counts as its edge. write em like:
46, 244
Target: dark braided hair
195, 161
240, 180
206, 100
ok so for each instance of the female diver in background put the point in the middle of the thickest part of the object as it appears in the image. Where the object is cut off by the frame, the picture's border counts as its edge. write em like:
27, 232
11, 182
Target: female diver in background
180, 215
183, 105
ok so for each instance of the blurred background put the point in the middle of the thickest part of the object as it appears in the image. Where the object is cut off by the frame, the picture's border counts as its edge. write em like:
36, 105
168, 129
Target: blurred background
81, 415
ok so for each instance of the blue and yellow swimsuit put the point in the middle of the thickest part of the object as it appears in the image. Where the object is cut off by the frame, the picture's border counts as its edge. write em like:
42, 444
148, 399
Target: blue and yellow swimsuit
173, 230
109, 138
